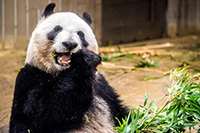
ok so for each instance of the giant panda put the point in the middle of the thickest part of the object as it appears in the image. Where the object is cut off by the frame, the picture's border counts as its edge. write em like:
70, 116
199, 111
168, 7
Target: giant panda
59, 89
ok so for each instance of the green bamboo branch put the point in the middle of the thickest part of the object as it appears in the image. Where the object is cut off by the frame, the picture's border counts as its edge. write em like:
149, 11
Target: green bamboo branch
171, 100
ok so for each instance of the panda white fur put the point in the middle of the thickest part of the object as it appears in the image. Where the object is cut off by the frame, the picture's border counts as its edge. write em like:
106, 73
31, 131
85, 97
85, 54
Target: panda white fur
59, 88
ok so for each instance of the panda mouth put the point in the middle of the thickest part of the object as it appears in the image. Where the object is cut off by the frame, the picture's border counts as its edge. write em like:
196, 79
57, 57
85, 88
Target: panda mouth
63, 59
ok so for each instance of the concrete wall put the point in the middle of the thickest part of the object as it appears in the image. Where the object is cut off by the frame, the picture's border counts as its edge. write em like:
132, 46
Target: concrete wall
132, 20
19, 18
172, 17
183, 17
198, 16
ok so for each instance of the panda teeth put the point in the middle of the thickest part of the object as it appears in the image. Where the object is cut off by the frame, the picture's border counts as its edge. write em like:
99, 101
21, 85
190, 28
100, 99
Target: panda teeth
68, 61
63, 59
60, 59
64, 62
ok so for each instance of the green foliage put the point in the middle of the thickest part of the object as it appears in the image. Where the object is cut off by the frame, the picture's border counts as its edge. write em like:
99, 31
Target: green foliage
150, 78
153, 78
129, 55
147, 62
54, 56
181, 110
18, 69
105, 57
23, 58
125, 127
171, 56
118, 49
116, 55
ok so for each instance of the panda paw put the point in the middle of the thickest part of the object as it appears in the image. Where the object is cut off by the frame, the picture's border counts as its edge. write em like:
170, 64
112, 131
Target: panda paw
84, 57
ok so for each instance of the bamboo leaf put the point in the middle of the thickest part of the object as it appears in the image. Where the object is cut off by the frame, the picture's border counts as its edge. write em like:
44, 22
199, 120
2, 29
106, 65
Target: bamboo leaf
145, 99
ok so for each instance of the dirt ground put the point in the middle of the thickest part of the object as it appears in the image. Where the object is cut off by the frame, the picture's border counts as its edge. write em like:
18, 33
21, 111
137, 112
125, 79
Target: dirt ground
119, 68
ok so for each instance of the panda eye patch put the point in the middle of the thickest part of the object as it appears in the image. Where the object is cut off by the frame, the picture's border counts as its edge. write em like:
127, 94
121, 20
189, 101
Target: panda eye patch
82, 38
53, 33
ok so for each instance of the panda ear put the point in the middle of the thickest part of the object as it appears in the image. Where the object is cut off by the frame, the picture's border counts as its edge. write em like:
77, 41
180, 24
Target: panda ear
48, 10
87, 18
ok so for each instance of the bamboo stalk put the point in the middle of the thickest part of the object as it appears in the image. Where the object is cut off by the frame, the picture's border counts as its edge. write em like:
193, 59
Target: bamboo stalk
114, 66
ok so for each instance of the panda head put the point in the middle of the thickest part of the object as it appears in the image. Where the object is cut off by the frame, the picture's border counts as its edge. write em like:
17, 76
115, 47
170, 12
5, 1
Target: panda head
56, 37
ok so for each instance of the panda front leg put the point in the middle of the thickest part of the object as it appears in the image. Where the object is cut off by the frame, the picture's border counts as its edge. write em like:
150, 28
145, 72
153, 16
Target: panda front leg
17, 127
16, 121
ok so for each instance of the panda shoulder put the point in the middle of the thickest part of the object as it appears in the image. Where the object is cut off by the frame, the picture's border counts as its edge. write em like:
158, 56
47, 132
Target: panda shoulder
28, 71
100, 79
28, 75
102, 87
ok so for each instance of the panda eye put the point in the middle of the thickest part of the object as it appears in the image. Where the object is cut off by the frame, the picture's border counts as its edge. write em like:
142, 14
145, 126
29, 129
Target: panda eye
53, 33
82, 38
81, 34
57, 28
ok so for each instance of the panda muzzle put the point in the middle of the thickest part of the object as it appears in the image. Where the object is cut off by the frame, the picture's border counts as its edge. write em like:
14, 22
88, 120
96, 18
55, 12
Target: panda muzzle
63, 59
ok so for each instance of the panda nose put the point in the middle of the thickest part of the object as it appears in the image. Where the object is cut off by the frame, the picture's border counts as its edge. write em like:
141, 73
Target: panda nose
69, 45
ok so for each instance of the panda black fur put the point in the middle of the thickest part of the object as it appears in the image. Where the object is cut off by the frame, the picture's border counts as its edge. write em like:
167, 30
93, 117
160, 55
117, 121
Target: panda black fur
51, 96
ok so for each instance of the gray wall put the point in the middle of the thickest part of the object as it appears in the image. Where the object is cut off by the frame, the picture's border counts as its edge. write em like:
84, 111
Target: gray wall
18, 18
132, 20
183, 17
